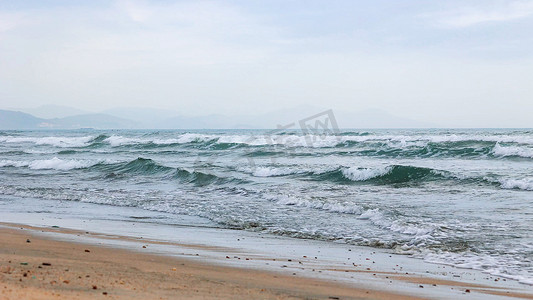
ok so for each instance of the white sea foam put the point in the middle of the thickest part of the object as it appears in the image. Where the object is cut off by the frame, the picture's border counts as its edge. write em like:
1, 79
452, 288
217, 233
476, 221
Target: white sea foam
58, 164
402, 141
523, 184
53, 163
504, 265
282, 140
369, 214
116, 140
32, 151
56, 141
407, 140
271, 171
499, 150
362, 174
345, 208
312, 141
377, 217
192, 137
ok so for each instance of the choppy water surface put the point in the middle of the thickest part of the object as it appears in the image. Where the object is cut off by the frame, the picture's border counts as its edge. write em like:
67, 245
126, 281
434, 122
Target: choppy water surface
462, 197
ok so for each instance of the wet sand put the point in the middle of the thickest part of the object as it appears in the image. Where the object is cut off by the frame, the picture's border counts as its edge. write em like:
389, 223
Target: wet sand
49, 269
38, 266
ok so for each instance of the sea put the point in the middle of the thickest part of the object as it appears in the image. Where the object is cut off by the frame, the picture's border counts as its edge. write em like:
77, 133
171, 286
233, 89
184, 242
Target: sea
461, 197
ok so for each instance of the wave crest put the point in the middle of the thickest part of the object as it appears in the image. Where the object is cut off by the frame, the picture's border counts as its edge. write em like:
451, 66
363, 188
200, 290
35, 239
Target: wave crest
393, 174
48, 164
513, 151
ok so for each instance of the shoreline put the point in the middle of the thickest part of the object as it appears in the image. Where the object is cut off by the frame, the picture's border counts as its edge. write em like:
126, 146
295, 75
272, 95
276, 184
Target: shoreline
154, 274
44, 267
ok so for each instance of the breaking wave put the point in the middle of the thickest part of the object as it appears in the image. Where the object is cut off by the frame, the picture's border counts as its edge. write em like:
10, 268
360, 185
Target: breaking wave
393, 174
56, 141
513, 151
48, 164
525, 184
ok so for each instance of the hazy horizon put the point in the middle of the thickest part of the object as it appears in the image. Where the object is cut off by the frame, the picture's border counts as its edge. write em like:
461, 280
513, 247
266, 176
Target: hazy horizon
454, 64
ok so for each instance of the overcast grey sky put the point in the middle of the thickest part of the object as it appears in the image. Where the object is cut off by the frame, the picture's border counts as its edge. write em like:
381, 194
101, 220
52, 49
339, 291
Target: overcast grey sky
457, 63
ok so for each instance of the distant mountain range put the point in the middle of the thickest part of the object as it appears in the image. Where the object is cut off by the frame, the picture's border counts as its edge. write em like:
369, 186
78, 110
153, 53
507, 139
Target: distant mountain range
59, 117
13, 120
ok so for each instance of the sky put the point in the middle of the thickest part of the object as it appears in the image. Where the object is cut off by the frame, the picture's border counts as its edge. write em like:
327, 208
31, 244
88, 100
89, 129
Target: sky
453, 63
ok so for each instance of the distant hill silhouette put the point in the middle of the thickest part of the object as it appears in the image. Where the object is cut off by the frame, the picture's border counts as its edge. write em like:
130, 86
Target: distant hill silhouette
18, 120
150, 118
13, 120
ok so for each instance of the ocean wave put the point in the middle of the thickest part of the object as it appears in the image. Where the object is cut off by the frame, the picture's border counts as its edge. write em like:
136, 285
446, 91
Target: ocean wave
467, 149
200, 178
261, 153
362, 174
147, 167
448, 138
268, 171
56, 141
48, 164
288, 141
377, 217
139, 166
355, 133
59, 164
226, 141
338, 207
67, 152
117, 141
363, 145
522, 184
515, 151
14, 152
374, 215
505, 265
399, 174
266, 139
12, 163
393, 174
316, 141
380, 175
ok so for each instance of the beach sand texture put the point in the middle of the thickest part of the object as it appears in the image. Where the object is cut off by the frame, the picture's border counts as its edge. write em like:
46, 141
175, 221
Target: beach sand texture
33, 266
49, 269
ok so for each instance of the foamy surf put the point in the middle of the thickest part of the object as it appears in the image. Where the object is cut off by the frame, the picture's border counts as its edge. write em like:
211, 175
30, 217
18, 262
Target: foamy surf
522, 184
56, 141
362, 174
512, 151
48, 164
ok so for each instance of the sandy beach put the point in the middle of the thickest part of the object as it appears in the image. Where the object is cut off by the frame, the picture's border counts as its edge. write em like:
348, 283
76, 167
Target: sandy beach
34, 266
